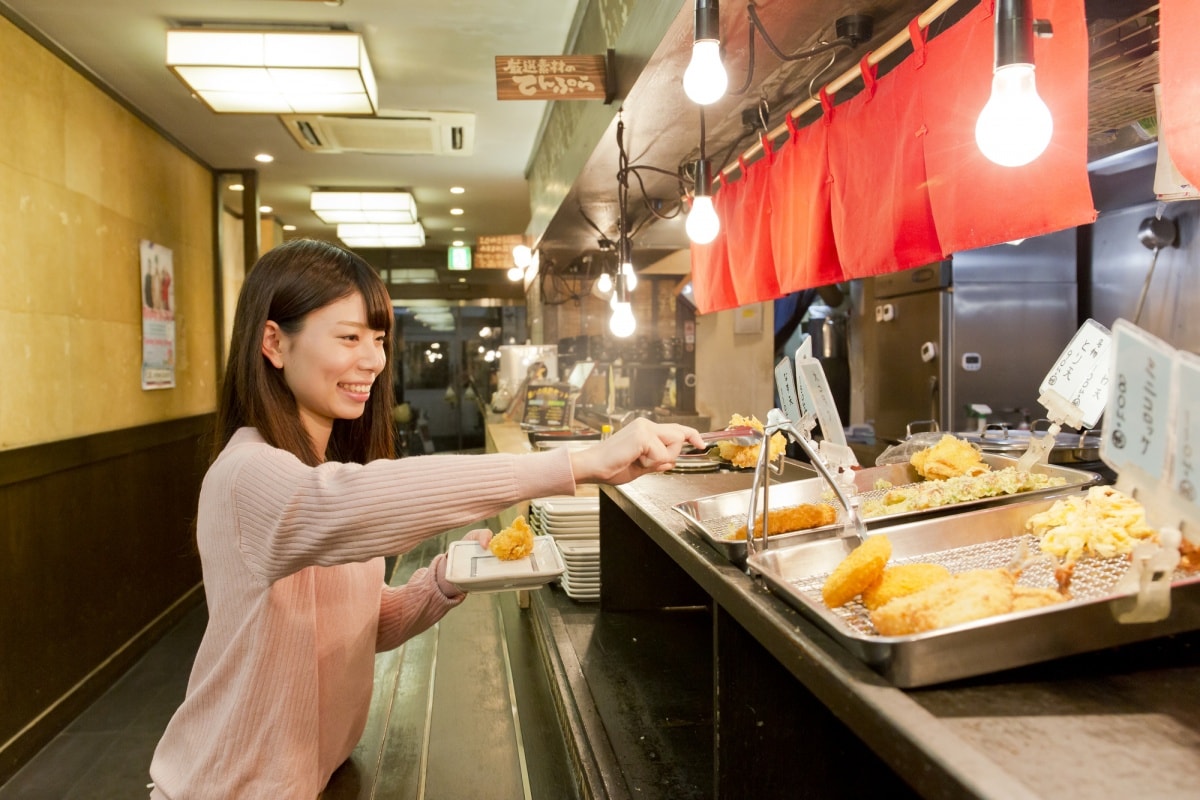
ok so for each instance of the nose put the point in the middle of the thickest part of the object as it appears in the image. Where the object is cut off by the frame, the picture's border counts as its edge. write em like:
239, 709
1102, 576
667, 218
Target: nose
373, 357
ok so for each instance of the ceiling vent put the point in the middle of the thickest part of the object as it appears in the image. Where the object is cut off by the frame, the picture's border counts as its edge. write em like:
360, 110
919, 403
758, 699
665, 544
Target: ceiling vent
409, 133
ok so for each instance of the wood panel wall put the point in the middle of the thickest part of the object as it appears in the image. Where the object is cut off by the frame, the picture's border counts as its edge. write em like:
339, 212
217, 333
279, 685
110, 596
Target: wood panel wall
97, 560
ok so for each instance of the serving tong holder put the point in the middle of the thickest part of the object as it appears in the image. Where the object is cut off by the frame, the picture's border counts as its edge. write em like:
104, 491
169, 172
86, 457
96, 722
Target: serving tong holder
777, 422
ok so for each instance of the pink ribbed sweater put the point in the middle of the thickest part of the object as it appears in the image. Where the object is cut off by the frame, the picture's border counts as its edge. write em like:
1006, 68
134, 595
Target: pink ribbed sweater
293, 575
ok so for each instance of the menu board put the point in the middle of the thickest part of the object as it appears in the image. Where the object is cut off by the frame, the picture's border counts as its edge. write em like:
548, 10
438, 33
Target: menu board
546, 404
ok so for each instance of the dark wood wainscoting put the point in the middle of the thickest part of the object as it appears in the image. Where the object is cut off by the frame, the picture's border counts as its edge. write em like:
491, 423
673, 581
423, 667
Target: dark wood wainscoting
97, 560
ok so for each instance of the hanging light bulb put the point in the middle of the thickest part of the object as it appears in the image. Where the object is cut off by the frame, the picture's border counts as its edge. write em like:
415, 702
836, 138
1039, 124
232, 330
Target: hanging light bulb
628, 276
704, 80
622, 324
604, 283
1014, 126
522, 256
702, 224
515, 273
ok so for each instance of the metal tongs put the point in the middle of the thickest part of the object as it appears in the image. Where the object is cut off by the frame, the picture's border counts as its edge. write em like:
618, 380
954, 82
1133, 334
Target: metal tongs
739, 435
777, 422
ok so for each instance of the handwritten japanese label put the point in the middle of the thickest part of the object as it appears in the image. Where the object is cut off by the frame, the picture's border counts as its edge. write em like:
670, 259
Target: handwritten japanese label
550, 77
1136, 429
1186, 429
811, 375
1080, 376
785, 387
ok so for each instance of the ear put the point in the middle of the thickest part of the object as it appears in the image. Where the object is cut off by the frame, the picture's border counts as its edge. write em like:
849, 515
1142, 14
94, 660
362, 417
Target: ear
272, 344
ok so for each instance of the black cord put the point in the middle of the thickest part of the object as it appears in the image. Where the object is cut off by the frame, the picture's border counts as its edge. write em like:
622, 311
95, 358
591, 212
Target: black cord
756, 25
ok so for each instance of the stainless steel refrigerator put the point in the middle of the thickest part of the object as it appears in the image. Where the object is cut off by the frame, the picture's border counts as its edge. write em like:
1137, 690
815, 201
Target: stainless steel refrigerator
983, 327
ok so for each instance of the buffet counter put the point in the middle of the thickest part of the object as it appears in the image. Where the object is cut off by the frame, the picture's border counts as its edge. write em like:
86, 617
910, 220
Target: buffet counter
796, 714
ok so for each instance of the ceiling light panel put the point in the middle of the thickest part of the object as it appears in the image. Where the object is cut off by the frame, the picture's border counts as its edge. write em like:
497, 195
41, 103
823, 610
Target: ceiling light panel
364, 207
368, 235
275, 72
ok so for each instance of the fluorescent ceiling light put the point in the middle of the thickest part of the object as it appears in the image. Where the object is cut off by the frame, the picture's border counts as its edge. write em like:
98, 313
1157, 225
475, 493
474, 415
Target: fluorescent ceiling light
250, 72
368, 235
413, 276
378, 207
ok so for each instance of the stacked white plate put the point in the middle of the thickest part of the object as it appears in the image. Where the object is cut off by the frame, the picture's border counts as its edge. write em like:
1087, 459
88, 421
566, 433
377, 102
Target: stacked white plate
574, 523
581, 578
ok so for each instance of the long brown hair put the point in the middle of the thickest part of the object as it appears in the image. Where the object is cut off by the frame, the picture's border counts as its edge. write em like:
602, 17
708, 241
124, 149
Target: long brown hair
284, 286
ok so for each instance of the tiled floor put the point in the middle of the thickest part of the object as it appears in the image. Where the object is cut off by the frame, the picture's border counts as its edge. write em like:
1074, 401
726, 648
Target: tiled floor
461, 711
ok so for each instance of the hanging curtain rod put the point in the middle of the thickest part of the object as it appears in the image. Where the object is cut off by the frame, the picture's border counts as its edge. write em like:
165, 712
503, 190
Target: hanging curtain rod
886, 49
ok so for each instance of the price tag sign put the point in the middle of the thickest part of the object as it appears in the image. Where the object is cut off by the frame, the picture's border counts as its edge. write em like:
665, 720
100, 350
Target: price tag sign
1080, 375
785, 386
815, 386
1137, 430
1185, 427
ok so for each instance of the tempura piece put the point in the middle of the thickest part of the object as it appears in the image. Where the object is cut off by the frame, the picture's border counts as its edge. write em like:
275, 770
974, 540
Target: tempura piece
795, 518
514, 542
902, 580
1103, 523
965, 597
857, 571
949, 458
746, 455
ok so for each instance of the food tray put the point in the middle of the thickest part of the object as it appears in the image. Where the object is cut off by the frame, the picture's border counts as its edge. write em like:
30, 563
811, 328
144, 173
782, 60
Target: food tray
472, 567
981, 539
714, 517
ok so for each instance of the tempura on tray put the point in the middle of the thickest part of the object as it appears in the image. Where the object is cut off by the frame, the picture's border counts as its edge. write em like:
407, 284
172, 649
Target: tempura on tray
1102, 523
793, 518
514, 542
746, 455
949, 458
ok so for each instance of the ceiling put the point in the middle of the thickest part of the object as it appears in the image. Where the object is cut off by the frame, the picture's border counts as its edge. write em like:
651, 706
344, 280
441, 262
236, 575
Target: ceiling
438, 56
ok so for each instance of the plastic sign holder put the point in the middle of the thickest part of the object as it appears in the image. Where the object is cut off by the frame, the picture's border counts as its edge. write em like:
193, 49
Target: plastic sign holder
1074, 391
814, 393
1150, 429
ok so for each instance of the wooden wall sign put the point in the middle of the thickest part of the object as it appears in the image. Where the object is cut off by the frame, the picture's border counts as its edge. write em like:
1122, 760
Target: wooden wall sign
495, 252
552, 78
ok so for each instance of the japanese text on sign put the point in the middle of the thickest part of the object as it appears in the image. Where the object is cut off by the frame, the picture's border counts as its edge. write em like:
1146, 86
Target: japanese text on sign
1136, 426
550, 77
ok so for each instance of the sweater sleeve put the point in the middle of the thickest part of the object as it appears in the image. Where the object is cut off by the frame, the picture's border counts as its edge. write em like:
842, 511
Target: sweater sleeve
405, 611
290, 516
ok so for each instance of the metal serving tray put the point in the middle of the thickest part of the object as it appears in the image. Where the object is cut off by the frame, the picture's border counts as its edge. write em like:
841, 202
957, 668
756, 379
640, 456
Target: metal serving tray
715, 517
982, 539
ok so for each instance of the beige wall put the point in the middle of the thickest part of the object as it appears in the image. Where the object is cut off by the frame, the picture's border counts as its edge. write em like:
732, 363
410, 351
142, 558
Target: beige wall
82, 181
735, 373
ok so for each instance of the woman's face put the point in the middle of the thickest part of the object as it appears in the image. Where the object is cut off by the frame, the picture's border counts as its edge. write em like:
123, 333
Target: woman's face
329, 364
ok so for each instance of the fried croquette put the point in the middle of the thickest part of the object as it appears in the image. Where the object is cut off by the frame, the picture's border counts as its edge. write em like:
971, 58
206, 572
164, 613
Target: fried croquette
1027, 597
857, 571
902, 580
949, 458
795, 518
965, 597
742, 455
514, 542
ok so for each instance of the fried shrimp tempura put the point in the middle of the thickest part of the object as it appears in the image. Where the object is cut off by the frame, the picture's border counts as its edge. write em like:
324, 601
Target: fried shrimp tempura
796, 518
857, 571
902, 580
515, 541
949, 458
965, 597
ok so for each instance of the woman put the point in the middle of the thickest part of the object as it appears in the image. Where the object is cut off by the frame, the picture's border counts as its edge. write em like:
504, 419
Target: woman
296, 513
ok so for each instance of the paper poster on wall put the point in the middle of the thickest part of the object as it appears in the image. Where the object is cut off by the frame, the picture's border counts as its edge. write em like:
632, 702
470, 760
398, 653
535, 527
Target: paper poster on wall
158, 316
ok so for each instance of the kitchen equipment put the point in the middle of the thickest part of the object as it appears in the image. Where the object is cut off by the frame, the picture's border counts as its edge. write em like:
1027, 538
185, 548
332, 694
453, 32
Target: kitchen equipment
984, 327
984, 538
1069, 447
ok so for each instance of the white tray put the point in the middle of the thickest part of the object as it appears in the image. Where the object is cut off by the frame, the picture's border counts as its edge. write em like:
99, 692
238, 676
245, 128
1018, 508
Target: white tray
473, 568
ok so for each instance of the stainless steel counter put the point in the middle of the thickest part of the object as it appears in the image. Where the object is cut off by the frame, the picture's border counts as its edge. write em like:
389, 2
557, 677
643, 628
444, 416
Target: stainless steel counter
1117, 723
